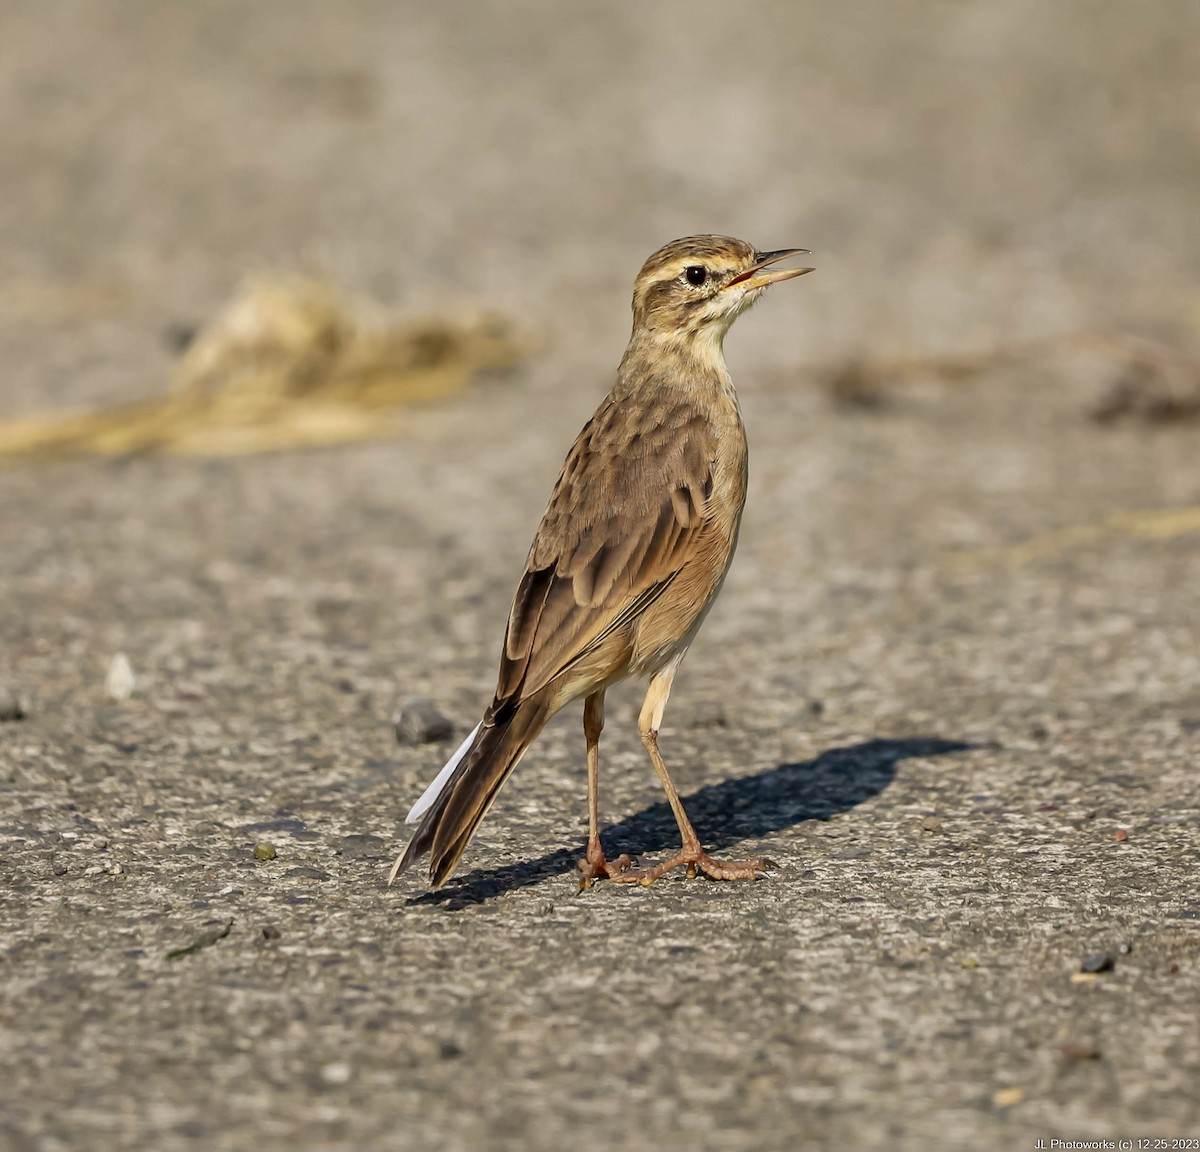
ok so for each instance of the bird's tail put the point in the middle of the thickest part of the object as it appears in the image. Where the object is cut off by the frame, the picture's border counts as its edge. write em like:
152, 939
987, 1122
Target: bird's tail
474, 782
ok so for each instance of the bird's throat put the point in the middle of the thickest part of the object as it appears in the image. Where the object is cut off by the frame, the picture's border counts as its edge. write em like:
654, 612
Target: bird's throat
687, 355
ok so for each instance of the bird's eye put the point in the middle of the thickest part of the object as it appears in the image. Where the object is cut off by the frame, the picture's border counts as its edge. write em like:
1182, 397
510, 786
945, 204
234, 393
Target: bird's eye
696, 275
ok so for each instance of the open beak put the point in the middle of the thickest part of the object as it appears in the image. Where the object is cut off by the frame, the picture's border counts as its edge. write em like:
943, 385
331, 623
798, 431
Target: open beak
756, 277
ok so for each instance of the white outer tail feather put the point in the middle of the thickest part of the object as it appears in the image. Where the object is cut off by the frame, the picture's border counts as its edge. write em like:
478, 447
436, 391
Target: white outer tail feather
430, 795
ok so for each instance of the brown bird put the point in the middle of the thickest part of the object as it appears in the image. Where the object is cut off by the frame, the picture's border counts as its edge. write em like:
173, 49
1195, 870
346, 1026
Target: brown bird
630, 554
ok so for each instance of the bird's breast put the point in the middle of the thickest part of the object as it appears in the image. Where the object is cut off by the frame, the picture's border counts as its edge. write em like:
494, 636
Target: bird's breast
668, 626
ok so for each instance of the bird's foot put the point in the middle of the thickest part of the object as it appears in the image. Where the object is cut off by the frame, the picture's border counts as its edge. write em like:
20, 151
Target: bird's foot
594, 867
697, 860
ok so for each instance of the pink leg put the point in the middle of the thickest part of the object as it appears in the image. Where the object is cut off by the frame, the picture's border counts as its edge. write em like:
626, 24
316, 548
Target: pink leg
594, 865
691, 853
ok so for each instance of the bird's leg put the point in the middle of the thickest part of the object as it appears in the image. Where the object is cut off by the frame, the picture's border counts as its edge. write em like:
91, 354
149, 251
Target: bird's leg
691, 853
594, 864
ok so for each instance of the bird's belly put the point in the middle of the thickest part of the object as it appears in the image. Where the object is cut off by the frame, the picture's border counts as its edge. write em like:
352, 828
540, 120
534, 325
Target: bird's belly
666, 629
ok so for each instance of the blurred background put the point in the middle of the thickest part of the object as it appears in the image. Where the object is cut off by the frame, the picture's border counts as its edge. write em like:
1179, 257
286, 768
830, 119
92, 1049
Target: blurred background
967, 174
234, 234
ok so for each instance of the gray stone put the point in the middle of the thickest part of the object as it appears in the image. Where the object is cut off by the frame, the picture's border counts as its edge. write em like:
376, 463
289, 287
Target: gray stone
360, 845
419, 721
11, 707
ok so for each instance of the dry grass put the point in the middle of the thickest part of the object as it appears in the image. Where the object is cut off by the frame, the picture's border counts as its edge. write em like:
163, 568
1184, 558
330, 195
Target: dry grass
1148, 381
291, 363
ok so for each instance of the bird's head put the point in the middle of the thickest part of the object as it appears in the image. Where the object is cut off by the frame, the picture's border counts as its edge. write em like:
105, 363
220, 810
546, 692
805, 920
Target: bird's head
693, 289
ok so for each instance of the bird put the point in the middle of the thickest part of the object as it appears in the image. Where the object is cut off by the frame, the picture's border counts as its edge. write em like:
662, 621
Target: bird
630, 554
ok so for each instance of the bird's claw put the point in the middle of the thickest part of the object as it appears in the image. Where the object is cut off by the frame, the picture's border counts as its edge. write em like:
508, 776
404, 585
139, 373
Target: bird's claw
595, 867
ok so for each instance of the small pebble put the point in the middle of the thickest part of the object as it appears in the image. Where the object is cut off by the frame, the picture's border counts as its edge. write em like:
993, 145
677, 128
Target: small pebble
336, 1073
931, 824
305, 872
271, 932
420, 722
360, 845
1120, 835
60, 869
10, 706
1125, 948
1097, 962
263, 851
100, 843
120, 681
1008, 1097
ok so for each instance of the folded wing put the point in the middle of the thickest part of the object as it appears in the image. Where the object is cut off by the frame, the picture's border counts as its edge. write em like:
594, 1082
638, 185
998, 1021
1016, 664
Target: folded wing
622, 520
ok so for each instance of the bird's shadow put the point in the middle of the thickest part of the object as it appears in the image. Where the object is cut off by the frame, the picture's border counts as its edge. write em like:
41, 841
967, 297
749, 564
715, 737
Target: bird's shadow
724, 814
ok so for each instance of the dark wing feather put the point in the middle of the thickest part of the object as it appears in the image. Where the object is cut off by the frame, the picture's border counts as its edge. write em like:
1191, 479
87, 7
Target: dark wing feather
630, 500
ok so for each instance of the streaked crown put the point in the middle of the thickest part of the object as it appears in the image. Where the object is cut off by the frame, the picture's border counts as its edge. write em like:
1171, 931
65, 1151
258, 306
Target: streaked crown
693, 284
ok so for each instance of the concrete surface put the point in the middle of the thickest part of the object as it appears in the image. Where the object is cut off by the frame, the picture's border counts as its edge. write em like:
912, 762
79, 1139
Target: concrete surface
952, 686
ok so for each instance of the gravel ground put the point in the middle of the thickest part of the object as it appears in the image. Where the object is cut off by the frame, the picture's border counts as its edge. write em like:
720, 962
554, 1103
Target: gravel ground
952, 686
